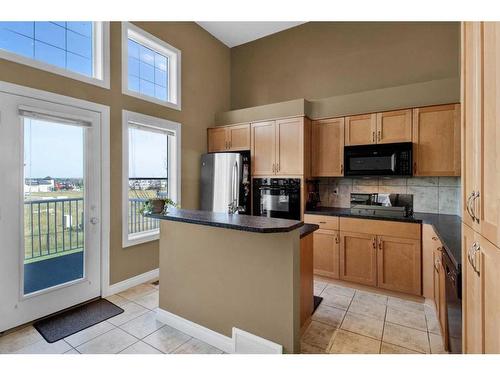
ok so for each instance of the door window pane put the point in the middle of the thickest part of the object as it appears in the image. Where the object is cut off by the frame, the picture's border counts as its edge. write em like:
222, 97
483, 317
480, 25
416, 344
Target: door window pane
53, 204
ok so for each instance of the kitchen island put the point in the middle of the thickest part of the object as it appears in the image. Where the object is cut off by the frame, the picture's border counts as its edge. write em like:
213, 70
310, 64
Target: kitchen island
234, 280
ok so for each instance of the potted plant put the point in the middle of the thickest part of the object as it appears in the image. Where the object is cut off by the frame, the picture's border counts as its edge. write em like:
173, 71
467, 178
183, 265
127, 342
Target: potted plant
157, 206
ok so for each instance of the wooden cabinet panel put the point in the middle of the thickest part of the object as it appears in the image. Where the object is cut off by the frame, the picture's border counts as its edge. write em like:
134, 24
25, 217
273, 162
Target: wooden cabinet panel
399, 264
290, 147
436, 268
326, 253
430, 242
436, 139
328, 147
306, 279
324, 222
471, 116
381, 227
217, 140
471, 298
239, 137
443, 312
394, 126
360, 130
486, 206
358, 258
263, 141
490, 283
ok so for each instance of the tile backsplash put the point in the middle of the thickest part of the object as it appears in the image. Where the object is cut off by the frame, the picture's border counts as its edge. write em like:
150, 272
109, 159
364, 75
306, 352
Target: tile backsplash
430, 194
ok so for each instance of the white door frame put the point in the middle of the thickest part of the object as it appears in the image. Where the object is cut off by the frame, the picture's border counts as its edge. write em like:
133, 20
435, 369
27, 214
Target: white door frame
103, 112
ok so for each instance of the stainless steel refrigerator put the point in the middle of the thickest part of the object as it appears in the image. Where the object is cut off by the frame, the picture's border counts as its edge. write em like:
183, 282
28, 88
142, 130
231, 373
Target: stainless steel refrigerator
225, 182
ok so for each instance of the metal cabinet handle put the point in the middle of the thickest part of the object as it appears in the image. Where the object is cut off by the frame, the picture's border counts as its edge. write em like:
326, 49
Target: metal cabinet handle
467, 205
380, 244
337, 238
373, 137
273, 168
415, 167
379, 135
341, 168
322, 222
434, 238
278, 167
477, 265
374, 242
473, 207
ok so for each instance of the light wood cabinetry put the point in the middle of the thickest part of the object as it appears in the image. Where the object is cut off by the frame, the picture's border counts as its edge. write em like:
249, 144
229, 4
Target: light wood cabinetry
278, 147
326, 253
358, 258
360, 130
399, 264
430, 243
327, 148
490, 282
229, 138
324, 222
394, 126
306, 280
436, 140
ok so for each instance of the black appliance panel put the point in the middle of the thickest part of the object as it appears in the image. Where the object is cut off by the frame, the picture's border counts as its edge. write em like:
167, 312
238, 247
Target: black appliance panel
277, 197
392, 159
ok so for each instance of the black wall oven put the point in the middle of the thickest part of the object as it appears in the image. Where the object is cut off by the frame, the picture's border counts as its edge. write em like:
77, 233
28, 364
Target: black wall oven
277, 197
391, 159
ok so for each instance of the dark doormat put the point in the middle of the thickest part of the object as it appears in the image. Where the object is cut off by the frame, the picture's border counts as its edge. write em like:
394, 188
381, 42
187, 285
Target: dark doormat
66, 323
317, 301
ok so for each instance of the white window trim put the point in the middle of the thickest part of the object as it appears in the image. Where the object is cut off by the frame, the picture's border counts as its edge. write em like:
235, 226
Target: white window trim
100, 63
174, 179
162, 47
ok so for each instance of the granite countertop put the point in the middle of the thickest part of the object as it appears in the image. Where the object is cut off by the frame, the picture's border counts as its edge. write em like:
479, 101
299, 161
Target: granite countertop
308, 229
447, 227
245, 223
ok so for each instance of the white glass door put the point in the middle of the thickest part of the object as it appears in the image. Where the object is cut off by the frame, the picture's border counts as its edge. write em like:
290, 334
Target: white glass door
50, 208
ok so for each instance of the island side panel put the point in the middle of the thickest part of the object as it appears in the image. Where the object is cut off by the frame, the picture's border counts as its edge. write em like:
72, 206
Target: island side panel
224, 278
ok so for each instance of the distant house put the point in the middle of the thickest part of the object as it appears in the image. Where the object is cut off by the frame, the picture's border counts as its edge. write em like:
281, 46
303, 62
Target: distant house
39, 185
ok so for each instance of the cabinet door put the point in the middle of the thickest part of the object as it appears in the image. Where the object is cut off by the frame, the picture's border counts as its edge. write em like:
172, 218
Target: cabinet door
471, 116
217, 139
263, 148
360, 130
358, 258
326, 253
290, 147
430, 242
399, 264
394, 126
471, 298
239, 137
327, 147
443, 311
490, 284
436, 268
486, 206
436, 138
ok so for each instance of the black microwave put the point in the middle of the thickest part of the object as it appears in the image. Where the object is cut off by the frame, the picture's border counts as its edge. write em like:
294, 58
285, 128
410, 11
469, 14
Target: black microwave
390, 159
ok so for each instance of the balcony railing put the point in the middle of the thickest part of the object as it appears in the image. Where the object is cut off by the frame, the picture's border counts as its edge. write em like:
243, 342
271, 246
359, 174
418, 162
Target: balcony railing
55, 227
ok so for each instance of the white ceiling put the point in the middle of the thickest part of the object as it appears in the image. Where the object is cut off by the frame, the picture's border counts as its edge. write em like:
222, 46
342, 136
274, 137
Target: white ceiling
235, 33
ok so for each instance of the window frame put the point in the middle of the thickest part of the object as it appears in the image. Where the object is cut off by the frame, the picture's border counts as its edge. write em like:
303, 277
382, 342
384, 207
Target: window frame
100, 63
174, 170
160, 46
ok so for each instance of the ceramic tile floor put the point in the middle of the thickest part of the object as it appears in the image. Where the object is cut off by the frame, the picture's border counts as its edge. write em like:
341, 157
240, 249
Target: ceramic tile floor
355, 321
347, 321
135, 331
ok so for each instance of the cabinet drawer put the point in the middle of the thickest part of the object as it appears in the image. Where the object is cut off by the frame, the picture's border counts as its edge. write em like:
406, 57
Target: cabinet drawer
381, 227
324, 222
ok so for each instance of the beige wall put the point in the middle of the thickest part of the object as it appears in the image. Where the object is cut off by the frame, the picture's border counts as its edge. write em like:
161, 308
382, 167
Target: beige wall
205, 90
324, 59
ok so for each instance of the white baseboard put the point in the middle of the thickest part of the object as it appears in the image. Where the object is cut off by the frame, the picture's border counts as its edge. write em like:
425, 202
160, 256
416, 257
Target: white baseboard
129, 283
241, 343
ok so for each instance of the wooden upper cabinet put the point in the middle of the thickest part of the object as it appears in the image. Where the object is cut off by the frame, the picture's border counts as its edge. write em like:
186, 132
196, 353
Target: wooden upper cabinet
290, 147
394, 126
360, 130
399, 264
326, 253
327, 148
217, 140
358, 258
436, 139
229, 138
238, 137
263, 141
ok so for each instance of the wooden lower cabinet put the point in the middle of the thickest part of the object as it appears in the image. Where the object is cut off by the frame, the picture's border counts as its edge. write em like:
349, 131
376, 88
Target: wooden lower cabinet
399, 264
326, 253
306, 280
490, 282
358, 258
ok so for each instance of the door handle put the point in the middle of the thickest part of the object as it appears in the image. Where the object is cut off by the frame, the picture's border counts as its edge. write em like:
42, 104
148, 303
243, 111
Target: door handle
337, 238
379, 135
273, 168
94, 220
374, 242
341, 168
467, 205
415, 167
473, 207
380, 245
373, 137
